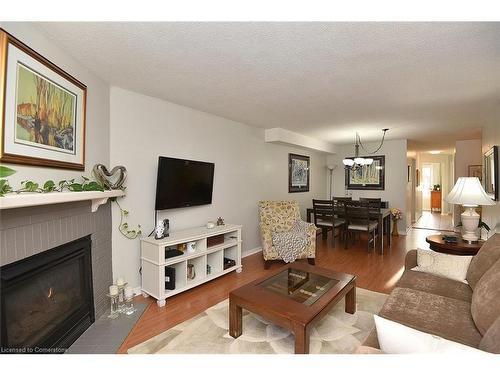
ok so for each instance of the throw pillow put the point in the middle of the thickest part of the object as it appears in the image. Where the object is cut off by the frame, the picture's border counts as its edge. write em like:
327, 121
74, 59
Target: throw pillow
396, 338
446, 265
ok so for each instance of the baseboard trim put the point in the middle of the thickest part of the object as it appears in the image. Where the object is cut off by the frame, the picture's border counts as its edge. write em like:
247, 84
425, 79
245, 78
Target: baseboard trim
251, 252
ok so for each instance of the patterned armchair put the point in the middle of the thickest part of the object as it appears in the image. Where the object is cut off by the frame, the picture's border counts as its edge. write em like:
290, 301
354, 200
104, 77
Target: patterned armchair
279, 216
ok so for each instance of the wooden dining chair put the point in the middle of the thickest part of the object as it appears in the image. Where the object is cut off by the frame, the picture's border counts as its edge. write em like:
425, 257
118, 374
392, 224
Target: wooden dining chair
372, 202
342, 199
358, 221
326, 219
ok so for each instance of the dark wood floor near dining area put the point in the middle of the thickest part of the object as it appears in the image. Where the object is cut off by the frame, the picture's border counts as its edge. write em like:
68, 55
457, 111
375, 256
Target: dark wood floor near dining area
373, 271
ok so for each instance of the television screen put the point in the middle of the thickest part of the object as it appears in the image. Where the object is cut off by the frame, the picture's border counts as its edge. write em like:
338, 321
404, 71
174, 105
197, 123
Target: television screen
183, 183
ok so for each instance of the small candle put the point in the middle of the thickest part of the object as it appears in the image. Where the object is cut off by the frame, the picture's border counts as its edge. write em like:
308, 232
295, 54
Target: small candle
113, 290
129, 293
120, 281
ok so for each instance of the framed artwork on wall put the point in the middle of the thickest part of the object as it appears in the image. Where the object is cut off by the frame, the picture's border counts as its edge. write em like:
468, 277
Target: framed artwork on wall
476, 171
298, 173
367, 177
42, 109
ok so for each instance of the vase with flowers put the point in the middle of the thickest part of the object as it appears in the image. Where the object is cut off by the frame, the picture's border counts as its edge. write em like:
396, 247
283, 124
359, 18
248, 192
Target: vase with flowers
396, 215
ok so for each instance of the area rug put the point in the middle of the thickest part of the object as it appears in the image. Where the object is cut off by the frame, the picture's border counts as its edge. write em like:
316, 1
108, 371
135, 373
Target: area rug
207, 333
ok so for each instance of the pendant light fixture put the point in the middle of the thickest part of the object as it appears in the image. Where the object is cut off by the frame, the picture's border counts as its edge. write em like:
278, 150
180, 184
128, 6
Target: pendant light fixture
359, 161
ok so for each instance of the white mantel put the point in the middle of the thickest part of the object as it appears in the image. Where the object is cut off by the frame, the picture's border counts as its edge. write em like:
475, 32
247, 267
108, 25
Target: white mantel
14, 200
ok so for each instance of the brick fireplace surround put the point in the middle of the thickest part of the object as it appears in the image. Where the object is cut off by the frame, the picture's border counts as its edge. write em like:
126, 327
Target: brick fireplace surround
33, 230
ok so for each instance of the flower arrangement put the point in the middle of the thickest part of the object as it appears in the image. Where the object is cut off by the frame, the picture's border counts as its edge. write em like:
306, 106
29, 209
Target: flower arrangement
396, 214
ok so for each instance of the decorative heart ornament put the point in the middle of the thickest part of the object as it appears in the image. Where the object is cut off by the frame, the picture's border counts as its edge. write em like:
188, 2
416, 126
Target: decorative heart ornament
110, 180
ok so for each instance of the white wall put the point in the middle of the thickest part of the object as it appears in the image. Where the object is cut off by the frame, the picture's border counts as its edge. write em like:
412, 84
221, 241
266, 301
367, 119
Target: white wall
467, 152
97, 124
395, 175
491, 137
246, 169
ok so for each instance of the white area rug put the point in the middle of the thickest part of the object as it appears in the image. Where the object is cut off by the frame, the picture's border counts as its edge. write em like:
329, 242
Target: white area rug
337, 333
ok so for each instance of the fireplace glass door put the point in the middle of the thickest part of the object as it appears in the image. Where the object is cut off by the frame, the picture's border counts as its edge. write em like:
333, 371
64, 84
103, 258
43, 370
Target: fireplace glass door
42, 303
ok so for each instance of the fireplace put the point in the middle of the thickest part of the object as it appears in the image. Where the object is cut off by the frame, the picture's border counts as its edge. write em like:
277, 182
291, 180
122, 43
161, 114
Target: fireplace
47, 299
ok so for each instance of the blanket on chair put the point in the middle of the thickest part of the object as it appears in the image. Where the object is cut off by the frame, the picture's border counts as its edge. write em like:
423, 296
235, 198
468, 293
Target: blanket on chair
291, 244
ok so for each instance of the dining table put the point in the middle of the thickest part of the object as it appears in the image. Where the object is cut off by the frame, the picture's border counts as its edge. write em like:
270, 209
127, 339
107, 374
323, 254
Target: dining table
382, 215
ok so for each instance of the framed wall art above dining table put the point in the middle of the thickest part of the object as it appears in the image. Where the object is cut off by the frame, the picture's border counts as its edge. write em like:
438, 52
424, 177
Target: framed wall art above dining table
367, 177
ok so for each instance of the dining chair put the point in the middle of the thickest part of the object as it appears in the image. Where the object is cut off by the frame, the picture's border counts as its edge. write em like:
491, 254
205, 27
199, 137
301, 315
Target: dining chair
358, 220
342, 199
372, 202
326, 219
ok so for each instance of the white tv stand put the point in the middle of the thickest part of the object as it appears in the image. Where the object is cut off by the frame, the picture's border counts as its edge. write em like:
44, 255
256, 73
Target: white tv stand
153, 260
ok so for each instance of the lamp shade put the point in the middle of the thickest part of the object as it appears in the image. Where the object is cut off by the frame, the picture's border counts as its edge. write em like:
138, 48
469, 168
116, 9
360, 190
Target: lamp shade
348, 162
469, 192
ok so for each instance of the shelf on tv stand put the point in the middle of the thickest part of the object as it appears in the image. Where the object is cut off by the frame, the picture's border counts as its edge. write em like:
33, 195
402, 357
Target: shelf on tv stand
153, 260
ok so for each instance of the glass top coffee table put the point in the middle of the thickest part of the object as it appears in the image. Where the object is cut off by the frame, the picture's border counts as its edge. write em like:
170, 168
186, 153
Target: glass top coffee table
294, 297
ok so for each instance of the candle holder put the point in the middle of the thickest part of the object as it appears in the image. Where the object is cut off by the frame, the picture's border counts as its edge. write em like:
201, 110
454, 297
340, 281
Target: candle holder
121, 297
114, 312
129, 308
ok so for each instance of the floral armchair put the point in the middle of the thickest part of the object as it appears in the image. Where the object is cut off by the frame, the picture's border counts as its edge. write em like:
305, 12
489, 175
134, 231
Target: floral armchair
279, 216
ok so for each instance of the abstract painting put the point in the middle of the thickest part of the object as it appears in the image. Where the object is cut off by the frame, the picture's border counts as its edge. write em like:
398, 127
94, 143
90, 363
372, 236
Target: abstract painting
298, 173
43, 107
367, 177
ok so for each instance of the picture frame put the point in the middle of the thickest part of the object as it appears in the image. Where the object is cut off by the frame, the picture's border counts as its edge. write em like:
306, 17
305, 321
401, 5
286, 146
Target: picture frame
42, 108
490, 176
368, 177
298, 173
476, 171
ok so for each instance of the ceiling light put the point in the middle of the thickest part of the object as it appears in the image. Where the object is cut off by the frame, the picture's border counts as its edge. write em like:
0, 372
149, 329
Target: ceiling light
434, 152
358, 161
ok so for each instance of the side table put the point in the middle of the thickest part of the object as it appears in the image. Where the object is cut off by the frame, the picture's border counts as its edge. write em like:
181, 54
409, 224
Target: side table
462, 247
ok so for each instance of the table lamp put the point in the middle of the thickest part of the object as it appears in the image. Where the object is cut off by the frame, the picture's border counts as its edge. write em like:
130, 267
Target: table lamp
469, 193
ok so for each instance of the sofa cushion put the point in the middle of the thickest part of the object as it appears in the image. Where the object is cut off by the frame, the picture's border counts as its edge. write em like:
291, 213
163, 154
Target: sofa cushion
442, 316
485, 307
485, 258
441, 286
445, 265
491, 340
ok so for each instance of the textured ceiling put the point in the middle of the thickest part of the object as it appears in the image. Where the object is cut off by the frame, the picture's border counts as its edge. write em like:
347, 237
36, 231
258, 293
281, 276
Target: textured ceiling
424, 81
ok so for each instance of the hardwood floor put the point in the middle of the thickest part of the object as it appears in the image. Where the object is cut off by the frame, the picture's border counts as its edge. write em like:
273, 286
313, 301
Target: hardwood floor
431, 220
373, 271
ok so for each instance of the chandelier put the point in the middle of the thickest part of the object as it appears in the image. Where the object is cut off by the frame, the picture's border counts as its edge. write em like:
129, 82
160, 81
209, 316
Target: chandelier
358, 162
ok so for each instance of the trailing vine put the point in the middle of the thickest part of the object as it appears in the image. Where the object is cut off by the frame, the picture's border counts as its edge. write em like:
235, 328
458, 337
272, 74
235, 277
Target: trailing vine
123, 226
50, 186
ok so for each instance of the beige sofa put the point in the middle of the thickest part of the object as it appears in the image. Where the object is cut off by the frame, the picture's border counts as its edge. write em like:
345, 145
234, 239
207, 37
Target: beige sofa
468, 314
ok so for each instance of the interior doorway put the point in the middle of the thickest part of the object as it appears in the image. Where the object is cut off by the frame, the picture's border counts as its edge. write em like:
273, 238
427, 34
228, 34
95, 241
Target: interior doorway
436, 180
431, 181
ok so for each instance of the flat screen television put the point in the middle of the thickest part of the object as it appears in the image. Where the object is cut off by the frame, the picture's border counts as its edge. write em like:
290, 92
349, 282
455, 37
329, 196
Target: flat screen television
183, 183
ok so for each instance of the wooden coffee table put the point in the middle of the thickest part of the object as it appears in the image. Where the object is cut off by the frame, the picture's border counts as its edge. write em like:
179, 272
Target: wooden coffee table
294, 297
